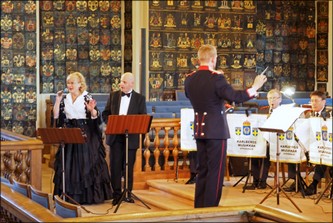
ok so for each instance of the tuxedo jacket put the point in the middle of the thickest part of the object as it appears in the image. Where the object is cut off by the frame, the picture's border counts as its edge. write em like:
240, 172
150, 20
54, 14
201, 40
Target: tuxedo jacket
207, 90
136, 106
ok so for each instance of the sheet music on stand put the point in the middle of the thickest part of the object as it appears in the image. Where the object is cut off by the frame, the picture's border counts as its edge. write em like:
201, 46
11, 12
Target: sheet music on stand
282, 118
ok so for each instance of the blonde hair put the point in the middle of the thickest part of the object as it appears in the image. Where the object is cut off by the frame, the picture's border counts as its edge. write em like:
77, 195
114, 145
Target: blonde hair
275, 91
206, 52
78, 76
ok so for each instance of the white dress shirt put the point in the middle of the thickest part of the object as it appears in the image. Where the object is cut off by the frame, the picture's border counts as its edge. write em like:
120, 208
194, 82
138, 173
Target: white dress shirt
124, 103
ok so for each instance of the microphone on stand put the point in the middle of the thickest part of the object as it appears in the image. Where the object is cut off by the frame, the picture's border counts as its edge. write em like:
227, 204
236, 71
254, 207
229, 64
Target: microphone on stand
270, 109
247, 112
248, 109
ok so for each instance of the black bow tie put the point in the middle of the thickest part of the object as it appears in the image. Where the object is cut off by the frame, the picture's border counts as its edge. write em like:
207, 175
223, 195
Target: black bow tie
123, 94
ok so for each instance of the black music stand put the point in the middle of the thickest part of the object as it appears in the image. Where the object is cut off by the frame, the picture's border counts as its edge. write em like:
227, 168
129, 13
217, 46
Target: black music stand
299, 181
128, 124
274, 124
62, 136
330, 184
300, 184
248, 176
277, 185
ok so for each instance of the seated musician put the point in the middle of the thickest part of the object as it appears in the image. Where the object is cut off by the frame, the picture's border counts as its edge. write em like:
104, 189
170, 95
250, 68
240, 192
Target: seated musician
260, 166
318, 106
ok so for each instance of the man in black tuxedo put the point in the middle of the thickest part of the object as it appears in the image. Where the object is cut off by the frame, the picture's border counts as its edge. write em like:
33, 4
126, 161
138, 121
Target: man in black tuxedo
318, 107
123, 102
207, 89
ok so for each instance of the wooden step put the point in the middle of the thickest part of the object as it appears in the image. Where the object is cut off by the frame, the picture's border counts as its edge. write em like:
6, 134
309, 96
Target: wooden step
170, 187
167, 195
163, 200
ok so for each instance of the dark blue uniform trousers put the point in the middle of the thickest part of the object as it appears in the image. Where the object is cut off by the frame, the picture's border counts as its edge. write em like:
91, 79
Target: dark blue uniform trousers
211, 159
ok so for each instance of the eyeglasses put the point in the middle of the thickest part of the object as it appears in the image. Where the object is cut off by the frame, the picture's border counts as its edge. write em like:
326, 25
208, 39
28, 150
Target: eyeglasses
273, 98
316, 100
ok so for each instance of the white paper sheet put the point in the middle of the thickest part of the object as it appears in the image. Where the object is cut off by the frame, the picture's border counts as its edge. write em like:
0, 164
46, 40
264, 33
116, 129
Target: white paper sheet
282, 118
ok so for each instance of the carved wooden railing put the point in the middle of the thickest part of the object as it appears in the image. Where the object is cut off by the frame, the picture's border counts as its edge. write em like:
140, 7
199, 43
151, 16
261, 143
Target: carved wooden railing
161, 155
21, 158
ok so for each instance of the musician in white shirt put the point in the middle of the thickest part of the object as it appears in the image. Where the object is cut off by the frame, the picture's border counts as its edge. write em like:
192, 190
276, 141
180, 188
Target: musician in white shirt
260, 166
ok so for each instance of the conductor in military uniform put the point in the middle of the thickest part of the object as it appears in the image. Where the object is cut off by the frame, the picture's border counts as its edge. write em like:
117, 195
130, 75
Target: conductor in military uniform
207, 89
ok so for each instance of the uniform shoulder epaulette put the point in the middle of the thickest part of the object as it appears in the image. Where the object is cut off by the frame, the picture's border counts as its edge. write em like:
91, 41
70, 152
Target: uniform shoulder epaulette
216, 72
187, 75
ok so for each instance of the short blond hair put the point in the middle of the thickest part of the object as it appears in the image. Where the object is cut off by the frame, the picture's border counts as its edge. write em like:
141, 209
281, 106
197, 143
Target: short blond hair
272, 91
78, 76
206, 52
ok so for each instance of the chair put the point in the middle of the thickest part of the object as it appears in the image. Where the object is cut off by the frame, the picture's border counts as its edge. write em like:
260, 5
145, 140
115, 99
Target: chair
42, 198
6, 181
65, 209
180, 95
22, 188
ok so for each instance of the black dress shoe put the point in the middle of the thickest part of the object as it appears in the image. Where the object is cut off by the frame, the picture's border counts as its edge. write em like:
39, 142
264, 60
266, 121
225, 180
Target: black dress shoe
262, 185
192, 180
250, 187
291, 188
312, 189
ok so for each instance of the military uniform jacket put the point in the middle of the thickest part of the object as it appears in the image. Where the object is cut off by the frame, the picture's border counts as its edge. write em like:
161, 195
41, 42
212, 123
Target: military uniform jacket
324, 114
207, 90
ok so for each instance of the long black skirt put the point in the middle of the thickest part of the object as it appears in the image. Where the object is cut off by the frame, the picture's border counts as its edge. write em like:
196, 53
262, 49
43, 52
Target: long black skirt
87, 178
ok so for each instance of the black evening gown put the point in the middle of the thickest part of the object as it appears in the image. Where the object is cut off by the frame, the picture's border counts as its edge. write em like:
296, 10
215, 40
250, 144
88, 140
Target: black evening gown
87, 178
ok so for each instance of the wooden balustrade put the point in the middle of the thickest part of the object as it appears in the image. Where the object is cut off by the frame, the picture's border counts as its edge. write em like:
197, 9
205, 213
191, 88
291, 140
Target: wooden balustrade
161, 154
21, 158
162, 129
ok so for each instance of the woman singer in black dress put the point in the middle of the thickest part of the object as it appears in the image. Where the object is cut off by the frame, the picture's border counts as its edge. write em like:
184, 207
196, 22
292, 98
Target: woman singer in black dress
87, 178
